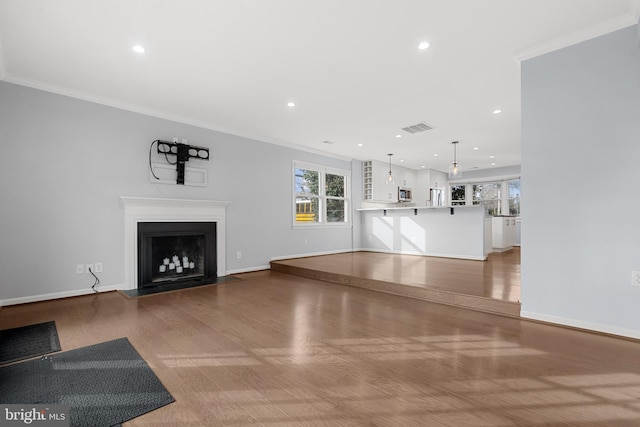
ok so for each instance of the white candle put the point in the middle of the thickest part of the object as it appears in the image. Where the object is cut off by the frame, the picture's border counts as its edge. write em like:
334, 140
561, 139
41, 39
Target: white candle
172, 266
175, 258
192, 265
178, 269
185, 261
165, 261
163, 268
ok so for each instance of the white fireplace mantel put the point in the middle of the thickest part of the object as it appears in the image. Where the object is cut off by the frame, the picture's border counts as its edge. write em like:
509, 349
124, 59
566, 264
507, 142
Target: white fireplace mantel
147, 209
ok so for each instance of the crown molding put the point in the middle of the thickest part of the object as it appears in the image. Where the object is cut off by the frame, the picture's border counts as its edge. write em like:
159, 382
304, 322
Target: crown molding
61, 90
579, 36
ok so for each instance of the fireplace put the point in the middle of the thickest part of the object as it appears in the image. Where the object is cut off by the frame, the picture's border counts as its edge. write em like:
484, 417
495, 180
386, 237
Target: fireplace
176, 252
142, 210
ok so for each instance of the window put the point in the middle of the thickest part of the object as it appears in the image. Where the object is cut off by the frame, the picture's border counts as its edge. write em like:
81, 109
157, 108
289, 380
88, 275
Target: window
488, 194
514, 197
457, 195
320, 195
498, 197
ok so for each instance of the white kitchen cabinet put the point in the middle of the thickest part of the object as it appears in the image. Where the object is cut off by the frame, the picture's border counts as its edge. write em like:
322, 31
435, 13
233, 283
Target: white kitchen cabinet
503, 232
375, 189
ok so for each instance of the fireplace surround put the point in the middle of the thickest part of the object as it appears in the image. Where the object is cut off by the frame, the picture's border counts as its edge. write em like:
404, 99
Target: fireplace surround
155, 210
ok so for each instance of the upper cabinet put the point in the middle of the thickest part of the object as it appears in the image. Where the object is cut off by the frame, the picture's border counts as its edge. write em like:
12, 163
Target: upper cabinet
375, 187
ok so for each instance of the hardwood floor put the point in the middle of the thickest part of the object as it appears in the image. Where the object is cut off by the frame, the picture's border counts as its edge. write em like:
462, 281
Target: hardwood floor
280, 350
492, 286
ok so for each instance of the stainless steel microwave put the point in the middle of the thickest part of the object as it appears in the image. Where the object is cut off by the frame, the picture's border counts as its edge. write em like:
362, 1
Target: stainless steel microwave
404, 194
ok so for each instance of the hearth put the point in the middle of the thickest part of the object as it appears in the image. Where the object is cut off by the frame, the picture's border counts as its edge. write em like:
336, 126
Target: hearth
176, 252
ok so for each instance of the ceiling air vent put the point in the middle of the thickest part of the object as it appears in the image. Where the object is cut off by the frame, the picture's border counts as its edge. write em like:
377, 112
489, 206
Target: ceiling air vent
420, 127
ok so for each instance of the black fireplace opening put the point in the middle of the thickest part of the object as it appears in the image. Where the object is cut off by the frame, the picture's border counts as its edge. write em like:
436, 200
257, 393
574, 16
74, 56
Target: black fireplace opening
176, 252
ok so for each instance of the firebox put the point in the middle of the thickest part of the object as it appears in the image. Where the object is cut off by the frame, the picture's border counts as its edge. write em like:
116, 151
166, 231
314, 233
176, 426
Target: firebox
170, 252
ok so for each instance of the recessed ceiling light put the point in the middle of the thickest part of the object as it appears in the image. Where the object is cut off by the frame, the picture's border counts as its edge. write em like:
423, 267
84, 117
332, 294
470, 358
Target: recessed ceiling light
291, 104
423, 45
398, 136
360, 145
139, 49
492, 157
423, 166
436, 155
497, 111
493, 164
476, 148
401, 160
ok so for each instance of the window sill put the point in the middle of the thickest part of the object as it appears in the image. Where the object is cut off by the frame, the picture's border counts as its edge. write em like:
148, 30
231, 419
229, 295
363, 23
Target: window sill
322, 225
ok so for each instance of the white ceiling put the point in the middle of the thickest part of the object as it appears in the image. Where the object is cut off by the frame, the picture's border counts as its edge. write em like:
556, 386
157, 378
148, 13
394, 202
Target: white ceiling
351, 66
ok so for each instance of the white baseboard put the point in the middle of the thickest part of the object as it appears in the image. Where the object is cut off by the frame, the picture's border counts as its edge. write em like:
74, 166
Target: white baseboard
57, 295
249, 269
342, 251
581, 324
438, 255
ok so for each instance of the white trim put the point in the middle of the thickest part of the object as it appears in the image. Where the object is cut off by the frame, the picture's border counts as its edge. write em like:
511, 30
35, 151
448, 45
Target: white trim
598, 327
249, 269
579, 36
438, 255
58, 295
305, 255
60, 90
144, 209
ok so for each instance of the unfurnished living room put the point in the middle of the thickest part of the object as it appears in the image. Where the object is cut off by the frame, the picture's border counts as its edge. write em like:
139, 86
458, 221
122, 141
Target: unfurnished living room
296, 213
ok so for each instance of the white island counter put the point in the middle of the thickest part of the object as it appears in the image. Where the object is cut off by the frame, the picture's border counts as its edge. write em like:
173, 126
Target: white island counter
457, 232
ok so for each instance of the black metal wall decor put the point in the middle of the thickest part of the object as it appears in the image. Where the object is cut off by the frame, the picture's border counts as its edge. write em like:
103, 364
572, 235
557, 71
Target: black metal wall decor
183, 153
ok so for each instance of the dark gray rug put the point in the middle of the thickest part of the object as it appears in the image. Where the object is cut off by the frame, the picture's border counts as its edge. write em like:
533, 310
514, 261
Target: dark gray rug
104, 384
28, 341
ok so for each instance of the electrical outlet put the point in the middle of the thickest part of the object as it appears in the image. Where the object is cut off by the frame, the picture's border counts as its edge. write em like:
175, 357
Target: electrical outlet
79, 269
635, 278
238, 254
89, 268
98, 267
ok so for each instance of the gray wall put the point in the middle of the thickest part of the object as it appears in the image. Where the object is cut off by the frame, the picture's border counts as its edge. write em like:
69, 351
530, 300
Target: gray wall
65, 162
580, 177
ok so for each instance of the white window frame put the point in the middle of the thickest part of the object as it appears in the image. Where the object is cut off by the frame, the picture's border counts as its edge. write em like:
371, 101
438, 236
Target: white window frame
322, 197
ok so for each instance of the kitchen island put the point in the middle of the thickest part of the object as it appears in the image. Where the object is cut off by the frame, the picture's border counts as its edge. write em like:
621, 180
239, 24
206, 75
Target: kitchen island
452, 232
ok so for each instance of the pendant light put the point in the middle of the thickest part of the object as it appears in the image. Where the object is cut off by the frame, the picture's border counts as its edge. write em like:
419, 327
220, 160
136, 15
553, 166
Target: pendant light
455, 170
389, 179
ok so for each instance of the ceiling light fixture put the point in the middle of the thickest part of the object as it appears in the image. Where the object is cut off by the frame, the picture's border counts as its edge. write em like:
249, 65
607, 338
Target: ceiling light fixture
291, 104
138, 49
423, 45
455, 170
360, 145
389, 179
497, 111
398, 136
476, 148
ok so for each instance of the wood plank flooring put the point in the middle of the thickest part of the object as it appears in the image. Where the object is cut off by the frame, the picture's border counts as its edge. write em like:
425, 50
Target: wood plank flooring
492, 286
278, 350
